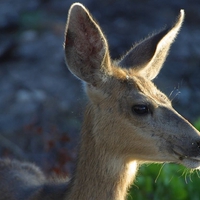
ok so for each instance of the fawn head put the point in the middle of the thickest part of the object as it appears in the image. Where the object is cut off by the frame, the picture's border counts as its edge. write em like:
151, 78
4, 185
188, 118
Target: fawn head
131, 119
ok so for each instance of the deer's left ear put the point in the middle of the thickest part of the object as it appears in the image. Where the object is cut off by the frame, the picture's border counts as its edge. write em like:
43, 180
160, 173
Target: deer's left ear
147, 57
86, 48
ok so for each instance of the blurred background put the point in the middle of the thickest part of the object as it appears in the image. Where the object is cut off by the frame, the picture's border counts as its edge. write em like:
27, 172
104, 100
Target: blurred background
41, 103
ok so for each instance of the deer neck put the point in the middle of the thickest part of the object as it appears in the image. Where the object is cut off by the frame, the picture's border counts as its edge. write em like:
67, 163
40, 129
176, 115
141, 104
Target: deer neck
99, 175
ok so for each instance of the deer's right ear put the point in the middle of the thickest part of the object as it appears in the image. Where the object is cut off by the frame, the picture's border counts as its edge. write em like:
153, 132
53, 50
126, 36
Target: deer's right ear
86, 48
148, 56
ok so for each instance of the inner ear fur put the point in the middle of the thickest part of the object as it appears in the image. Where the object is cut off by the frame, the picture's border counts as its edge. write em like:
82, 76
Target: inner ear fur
85, 46
148, 56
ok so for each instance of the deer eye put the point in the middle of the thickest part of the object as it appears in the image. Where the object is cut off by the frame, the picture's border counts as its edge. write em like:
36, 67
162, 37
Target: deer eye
140, 109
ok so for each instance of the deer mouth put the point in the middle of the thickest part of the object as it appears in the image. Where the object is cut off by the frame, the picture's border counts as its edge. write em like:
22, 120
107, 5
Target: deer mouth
187, 161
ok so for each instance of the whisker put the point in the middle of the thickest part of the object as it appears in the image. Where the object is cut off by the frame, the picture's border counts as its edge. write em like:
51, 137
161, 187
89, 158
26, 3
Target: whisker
190, 176
172, 96
197, 172
185, 172
171, 93
185, 177
159, 172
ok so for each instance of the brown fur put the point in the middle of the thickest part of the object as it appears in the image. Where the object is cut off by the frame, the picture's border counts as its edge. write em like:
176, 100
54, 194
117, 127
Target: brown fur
127, 121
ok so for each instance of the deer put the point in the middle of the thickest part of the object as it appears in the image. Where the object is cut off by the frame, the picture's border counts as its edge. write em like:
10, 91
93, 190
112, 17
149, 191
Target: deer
127, 120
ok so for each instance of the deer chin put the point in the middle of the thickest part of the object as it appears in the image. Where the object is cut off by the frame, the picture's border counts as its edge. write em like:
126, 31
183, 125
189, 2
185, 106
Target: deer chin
191, 163
187, 161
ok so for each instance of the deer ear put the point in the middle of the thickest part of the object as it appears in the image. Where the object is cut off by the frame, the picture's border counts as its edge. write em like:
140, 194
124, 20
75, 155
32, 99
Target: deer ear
86, 48
148, 56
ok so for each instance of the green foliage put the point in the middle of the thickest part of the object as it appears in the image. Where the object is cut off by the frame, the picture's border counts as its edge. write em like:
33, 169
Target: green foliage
167, 181
197, 123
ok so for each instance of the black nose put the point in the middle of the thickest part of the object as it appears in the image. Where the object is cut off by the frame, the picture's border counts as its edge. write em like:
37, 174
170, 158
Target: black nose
198, 144
194, 149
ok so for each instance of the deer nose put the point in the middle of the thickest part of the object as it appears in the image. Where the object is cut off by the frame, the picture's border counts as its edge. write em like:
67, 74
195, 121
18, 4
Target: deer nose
194, 150
197, 144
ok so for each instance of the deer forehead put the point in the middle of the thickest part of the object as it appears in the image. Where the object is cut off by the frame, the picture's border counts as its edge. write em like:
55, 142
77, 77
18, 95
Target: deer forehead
123, 86
150, 91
